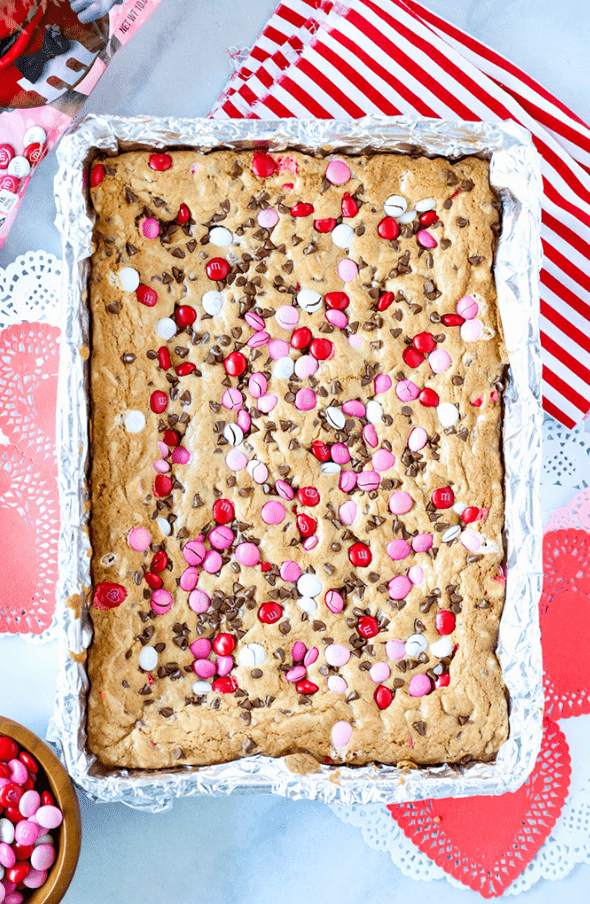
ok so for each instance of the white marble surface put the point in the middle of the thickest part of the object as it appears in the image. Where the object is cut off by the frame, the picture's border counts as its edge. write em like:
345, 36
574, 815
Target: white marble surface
244, 850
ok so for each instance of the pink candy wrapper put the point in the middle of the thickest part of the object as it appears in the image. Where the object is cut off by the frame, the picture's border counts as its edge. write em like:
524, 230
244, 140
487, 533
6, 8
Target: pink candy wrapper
51, 57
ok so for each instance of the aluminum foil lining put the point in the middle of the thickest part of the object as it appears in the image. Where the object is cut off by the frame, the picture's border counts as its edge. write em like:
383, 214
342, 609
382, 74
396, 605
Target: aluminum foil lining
515, 174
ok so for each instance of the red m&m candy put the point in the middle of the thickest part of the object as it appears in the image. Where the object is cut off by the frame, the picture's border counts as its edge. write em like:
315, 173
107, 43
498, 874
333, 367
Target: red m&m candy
471, 513
445, 621
223, 511
263, 165
35, 153
158, 401
183, 215
308, 496
154, 581
164, 358
159, 561
301, 337
224, 644
302, 210
424, 342
349, 207
8, 749
306, 525
337, 301
170, 437
368, 626
429, 398
452, 320
235, 364
383, 696
162, 486
326, 225
320, 450
270, 613
160, 162
184, 369
360, 555
412, 357
146, 295
388, 228
306, 687
226, 685
428, 218
443, 498
6, 155
385, 301
443, 680
107, 596
185, 315
9, 183
322, 349
217, 268
96, 175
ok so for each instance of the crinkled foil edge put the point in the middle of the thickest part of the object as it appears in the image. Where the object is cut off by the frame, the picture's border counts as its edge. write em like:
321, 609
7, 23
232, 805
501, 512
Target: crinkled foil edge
515, 174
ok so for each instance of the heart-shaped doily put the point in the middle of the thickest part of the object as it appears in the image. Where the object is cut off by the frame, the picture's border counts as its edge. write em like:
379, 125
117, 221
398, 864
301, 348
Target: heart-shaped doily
486, 842
565, 622
29, 359
29, 514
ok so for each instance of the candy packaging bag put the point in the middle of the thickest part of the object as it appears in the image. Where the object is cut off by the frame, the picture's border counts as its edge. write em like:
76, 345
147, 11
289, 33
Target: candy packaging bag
52, 54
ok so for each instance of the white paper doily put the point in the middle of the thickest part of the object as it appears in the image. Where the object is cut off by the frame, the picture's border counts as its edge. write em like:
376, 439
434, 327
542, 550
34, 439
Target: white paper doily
30, 289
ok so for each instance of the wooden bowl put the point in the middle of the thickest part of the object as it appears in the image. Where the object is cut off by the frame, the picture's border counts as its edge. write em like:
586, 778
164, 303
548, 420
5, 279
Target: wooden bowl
70, 832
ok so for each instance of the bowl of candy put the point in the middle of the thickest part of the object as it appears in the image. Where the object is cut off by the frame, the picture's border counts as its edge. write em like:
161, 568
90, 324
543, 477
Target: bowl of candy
40, 827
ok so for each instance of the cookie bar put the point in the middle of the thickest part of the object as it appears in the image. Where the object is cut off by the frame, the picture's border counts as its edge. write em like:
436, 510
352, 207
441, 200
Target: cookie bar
297, 503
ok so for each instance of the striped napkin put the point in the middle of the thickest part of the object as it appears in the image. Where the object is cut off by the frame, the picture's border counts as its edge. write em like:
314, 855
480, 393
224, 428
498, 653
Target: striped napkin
343, 60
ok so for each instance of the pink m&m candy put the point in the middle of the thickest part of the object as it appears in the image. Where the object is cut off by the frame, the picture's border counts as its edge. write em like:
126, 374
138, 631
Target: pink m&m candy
337, 654
340, 453
338, 172
35, 879
337, 684
284, 490
382, 383
347, 481
43, 856
29, 804
295, 674
367, 481
221, 537
26, 832
247, 554
467, 307
212, 562
273, 512
417, 439
337, 319
150, 228
259, 339
400, 503
287, 317
406, 391
254, 320
51, 817
290, 571
439, 360
471, 330
161, 602
278, 348
7, 856
395, 649
306, 366
341, 734
399, 587
181, 456
139, 539
354, 408
311, 657
201, 648
422, 542
470, 540
383, 460
204, 668
267, 402
236, 460
305, 400
199, 601
244, 420
379, 672
232, 399
419, 686
224, 665
370, 435
189, 578
257, 385
347, 270
398, 549
334, 601
267, 218
298, 651
347, 513
416, 574
194, 552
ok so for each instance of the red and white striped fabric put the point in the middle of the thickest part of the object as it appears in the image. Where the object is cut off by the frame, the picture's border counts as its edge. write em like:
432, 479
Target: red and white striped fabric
342, 60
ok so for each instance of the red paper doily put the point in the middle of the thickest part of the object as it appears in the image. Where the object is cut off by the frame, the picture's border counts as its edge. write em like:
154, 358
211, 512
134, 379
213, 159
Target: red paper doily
486, 842
29, 358
29, 515
565, 623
